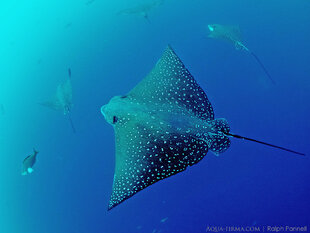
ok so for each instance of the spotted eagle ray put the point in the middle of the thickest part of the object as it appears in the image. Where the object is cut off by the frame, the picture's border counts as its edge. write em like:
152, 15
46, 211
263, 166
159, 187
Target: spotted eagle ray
62, 100
162, 126
232, 34
142, 10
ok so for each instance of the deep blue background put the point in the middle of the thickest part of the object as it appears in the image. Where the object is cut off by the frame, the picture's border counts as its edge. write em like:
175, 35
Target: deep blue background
109, 54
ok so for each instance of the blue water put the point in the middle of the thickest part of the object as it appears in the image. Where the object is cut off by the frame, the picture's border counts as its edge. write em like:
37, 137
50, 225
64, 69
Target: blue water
109, 54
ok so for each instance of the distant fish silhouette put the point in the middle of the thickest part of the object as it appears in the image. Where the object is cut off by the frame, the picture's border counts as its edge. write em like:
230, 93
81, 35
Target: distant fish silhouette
162, 126
62, 100
232, 34
68, 25
142, 10
89, 2
29, 162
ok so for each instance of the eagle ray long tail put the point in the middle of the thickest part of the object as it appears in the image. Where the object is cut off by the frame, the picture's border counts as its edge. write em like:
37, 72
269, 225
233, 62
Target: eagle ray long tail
264, 143
262, 66
241, 45
71, 123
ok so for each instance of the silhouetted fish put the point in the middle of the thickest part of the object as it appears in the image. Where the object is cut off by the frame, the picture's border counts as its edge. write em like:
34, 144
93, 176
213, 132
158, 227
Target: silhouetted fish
62, 100
89, 2
232, 34
68, 25
142, 10
29, 162
162, 126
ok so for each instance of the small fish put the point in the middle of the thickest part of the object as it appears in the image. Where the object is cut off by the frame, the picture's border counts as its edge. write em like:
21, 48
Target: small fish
232, 34
68, 25
163, 126
69, 73
142, 10
29, 162
164, 220
89, 2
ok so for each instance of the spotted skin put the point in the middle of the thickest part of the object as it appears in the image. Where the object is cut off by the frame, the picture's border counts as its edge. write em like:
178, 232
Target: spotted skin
164, 125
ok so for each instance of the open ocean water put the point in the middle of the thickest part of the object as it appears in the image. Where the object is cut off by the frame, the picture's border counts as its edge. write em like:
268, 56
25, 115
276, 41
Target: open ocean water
109, 53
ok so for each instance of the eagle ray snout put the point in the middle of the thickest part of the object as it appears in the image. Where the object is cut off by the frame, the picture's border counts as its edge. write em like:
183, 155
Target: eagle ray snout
102, 111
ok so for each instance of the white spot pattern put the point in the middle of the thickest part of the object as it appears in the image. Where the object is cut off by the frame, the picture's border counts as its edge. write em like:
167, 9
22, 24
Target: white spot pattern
169, 125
